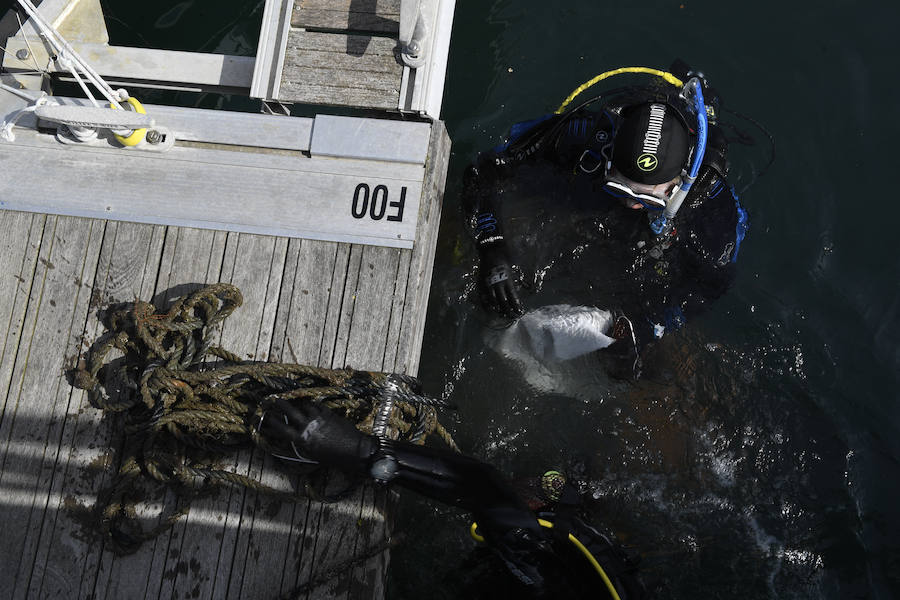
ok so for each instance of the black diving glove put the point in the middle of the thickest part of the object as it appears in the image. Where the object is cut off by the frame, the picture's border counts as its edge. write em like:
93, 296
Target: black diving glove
321, 435
499, 280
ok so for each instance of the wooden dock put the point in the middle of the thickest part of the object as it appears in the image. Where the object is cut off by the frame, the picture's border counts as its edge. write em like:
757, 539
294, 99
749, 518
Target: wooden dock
334, 296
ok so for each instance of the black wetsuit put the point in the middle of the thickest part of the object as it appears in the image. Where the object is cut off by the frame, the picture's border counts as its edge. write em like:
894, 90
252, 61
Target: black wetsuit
656, 280
543, 562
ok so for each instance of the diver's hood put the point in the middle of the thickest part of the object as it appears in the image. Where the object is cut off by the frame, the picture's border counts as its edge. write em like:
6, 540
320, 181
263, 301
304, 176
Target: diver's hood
651, 144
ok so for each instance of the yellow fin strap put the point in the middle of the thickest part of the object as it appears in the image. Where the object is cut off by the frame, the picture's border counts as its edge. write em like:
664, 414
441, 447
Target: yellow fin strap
664, 74
137, 136
473, 530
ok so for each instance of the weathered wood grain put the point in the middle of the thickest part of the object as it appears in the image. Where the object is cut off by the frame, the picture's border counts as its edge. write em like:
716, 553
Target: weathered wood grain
68, 556
302, 326
359, 52
338, 349
399, 306
366, 579
309, 305
336, 69
316, 292
329, 535
190, 259
40, 396
254, 264
371, 317
285, 299
18, 259
376, 16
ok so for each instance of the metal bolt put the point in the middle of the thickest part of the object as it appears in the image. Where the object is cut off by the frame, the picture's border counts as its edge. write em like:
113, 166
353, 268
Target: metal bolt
154, 137
22, 54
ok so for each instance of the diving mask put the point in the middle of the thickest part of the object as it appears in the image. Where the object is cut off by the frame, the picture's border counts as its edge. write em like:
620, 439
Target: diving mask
651, 197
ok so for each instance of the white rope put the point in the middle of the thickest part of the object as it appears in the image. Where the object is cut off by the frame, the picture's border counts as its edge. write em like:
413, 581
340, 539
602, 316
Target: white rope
67, 52
84, 88
28, 45
70, 59
20, 93
6, 130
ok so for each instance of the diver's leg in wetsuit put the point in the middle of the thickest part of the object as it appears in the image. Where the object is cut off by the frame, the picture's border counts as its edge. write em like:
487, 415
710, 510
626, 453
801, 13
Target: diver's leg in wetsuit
503, 518
448, 477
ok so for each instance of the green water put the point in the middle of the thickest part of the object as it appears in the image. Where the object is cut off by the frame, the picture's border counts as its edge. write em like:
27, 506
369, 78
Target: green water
766, 464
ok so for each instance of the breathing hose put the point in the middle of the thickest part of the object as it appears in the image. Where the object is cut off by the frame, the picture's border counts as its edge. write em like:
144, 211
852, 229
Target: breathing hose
694, 88
473, 530
668, 77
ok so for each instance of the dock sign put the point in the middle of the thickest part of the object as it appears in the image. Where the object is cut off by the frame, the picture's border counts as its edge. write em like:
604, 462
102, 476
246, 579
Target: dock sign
353, 180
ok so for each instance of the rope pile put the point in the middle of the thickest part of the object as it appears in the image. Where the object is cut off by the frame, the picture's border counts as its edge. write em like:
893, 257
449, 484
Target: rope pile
189, 403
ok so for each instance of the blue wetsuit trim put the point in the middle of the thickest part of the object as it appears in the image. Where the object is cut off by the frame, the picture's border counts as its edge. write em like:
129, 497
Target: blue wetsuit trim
743, 224
485, 222
520, 129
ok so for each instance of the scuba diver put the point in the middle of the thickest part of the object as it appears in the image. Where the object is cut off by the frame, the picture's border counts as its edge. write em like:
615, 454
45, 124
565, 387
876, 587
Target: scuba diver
551, 554
667, 227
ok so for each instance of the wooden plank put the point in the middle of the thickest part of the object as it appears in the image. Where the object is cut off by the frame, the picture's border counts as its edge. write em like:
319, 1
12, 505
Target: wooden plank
318, 282
264, 538
345, 70
67, 558
190, 259
401, 296
196, 260
375, 16
374, 295
285, 295
40, 398
255, 264
345, 52
311, 556
366, 580
345, 314
422, 262
359, 342
303, 329
344, 266
19, 243
125, 284
335, 527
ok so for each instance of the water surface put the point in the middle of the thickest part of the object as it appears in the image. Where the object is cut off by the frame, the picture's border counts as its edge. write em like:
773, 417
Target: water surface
761, 460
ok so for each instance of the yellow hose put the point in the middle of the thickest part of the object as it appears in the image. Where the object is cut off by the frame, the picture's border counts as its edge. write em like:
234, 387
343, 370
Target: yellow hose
665, 75
473, 530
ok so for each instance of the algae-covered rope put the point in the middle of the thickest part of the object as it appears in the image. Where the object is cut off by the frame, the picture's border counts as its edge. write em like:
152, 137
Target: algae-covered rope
189, 403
